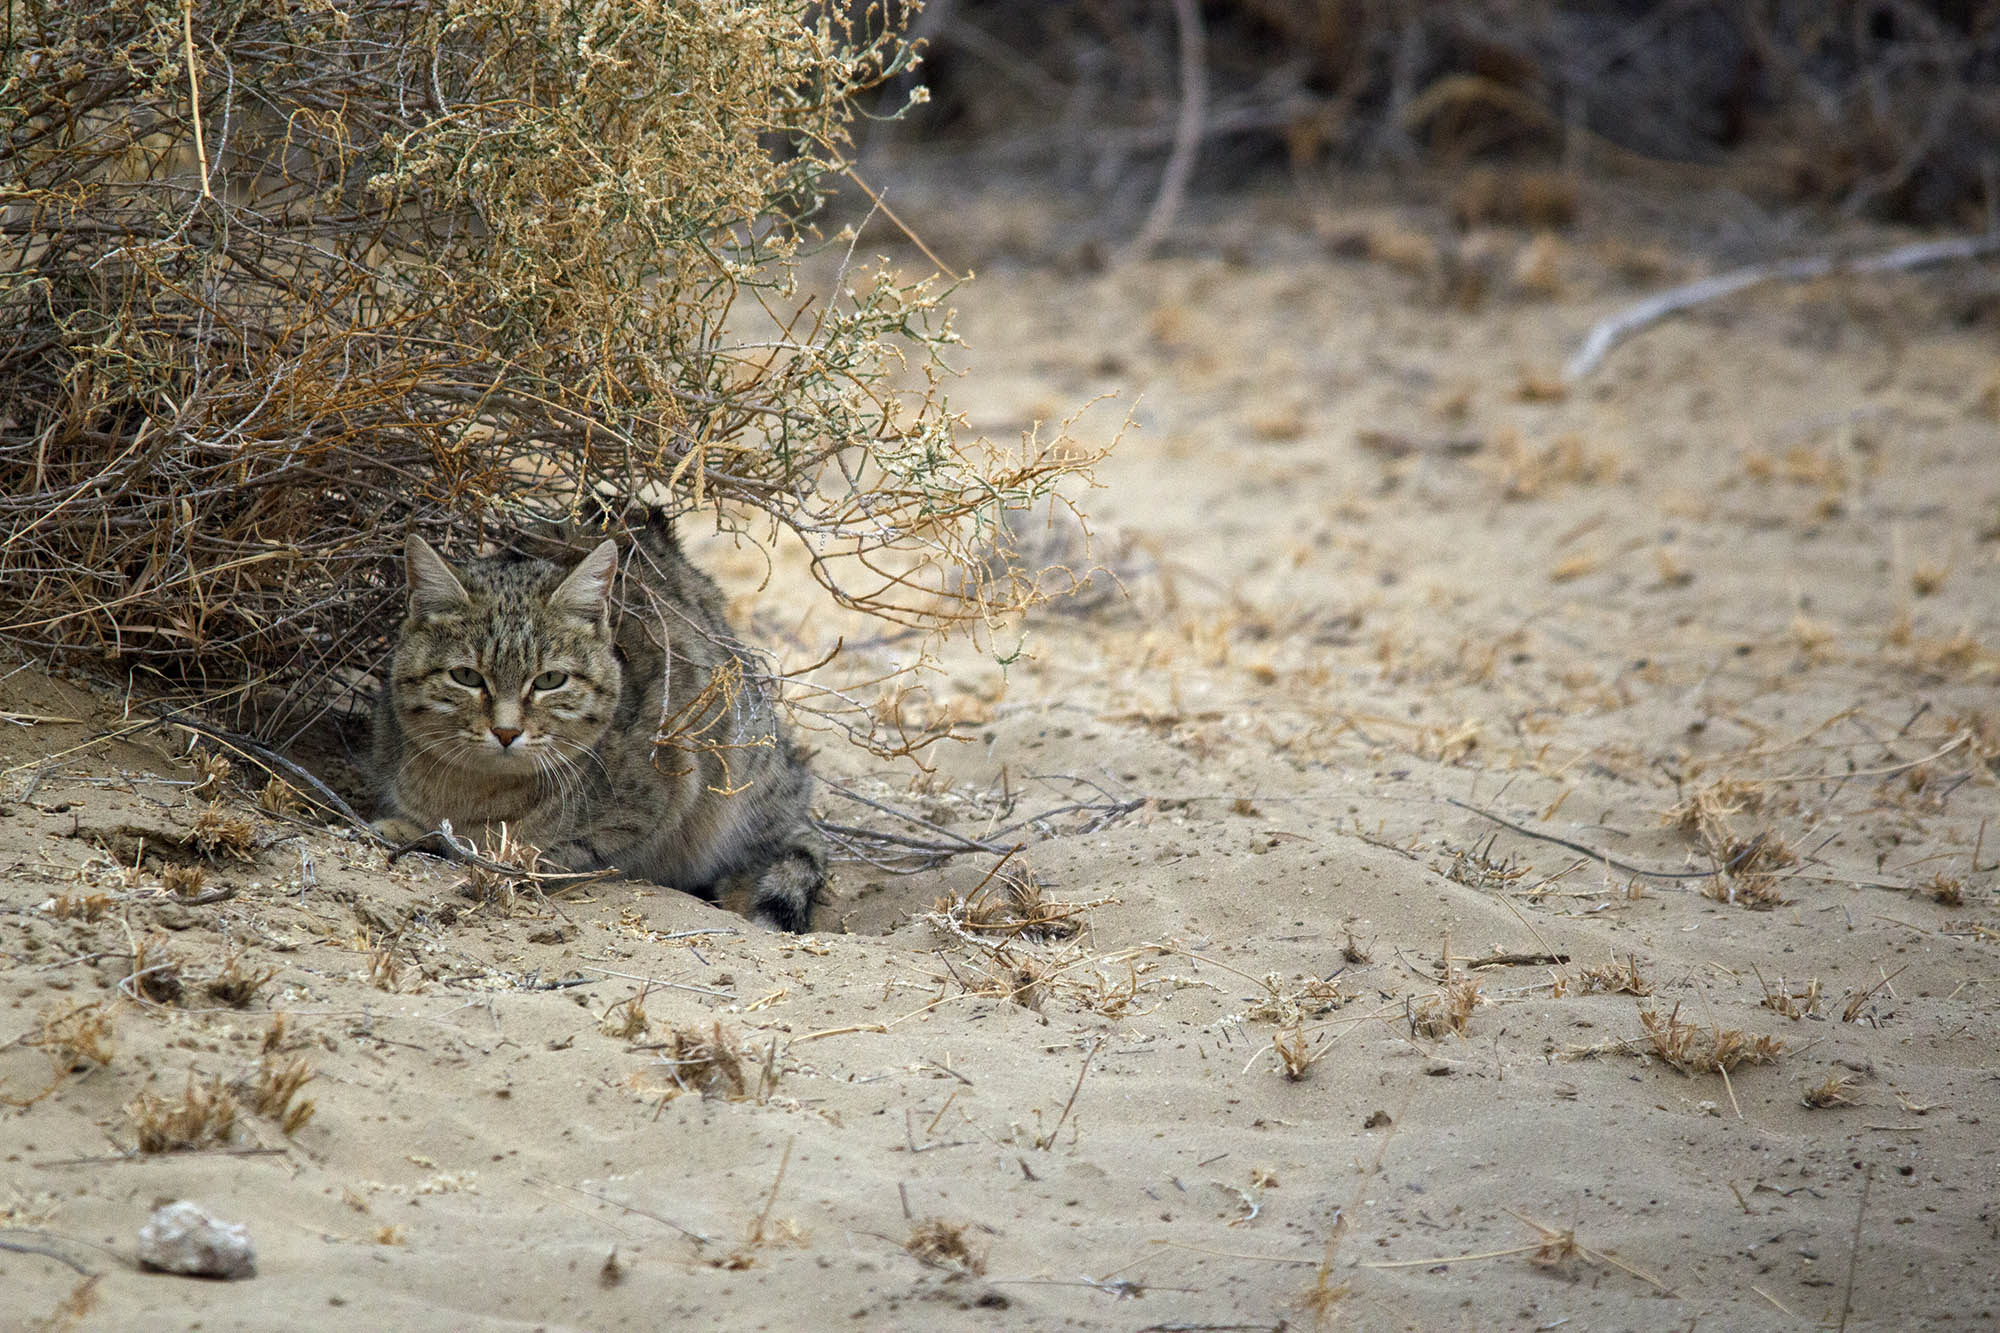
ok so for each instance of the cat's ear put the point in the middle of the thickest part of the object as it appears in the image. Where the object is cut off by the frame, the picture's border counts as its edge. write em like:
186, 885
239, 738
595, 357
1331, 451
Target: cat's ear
433, 587
587, 590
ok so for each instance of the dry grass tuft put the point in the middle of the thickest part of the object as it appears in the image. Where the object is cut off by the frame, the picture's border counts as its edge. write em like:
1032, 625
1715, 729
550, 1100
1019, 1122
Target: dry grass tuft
1714, 1050
1832, 1092
201, 1116
1556, 1249
216, 832
704, 1062
1529, 199
1291, 1005
385, 972
275, 1093
1611, 979
1928, 577
1746, 867
1018, 978
1478, 870
279, 798
1448, 1011
626, 1020
1295, 1053
1527, 473
514, 866
1705, 811
75, 1040
1010, 904
1945, 890
1858, 1001
236, 983
942, 1244
1537, 385
1959, 655
183, 881
211, 771
154, 975
1794, 1004
82, 906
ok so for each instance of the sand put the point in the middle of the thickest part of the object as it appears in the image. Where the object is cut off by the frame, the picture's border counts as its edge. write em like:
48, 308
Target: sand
1419, 661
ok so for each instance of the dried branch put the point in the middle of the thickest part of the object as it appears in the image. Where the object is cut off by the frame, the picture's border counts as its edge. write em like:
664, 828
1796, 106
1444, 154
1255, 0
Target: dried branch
1609, 332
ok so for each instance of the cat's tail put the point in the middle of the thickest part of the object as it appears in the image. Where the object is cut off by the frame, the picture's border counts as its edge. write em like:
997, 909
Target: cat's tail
790, 887
785, 881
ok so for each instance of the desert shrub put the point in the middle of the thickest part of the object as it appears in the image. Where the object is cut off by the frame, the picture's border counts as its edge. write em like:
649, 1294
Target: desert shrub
282, 280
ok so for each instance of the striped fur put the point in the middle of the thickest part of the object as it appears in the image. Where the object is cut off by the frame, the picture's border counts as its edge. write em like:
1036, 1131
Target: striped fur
604, 712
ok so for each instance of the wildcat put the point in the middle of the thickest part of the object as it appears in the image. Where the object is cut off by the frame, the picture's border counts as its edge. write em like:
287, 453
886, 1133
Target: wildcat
611, 722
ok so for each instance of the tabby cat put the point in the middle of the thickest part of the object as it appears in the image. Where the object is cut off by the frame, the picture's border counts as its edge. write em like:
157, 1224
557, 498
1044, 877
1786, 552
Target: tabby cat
610, 721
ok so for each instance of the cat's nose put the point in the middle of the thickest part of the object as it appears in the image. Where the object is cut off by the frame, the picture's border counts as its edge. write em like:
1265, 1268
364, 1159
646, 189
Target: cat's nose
505, 735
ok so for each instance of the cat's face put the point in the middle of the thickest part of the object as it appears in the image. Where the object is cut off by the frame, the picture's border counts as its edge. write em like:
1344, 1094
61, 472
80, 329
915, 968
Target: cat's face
505, 667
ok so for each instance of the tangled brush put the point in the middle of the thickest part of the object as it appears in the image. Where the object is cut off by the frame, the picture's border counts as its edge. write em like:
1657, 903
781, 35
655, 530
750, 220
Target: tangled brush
282, 282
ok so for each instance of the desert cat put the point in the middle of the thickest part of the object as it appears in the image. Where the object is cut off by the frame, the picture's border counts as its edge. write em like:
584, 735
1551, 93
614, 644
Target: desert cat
532, 694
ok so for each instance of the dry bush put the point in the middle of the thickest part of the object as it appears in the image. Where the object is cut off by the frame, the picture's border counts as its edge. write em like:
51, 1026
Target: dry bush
279, 798
385, 971
202, 1115
1716, 1050
281, 283
211, 770
507, 867
1944, 889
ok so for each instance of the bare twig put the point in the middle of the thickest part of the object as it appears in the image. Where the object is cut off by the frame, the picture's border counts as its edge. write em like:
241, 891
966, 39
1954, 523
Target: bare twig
46, 1252
1044, 1141
1609, 332
1602, 858
1187, 131
1854, 1247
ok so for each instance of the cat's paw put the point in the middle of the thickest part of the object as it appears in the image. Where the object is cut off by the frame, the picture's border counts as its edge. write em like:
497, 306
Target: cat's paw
399, 830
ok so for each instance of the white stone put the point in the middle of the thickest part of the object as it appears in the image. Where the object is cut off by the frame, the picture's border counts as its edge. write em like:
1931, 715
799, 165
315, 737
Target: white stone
180, 1238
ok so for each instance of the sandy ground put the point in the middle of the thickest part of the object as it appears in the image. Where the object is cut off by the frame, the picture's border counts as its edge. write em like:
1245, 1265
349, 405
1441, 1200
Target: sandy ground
1422, 664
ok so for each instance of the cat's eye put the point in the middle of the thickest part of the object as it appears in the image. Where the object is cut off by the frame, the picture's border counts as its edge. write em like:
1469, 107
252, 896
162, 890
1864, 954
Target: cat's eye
551, 680
469, 678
